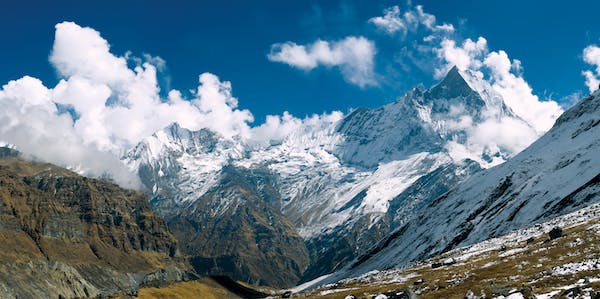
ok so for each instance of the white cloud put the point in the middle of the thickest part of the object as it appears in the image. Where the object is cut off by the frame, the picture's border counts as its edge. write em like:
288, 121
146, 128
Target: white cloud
504, 75
445, 27
393, 21
116, 106
466, 56
518, 95
354, 56
30, 121
591, 55
276, 128
83, 52
219, 108
496, 134
591, 80
494, 74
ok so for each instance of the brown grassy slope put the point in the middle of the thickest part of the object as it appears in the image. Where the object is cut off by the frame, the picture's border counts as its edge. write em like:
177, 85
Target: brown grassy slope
209, 287
51, 215
95, 220
525, 267
205, 288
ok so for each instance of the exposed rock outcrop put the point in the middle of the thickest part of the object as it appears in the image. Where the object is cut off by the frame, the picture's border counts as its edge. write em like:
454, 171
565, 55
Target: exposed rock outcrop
63, 235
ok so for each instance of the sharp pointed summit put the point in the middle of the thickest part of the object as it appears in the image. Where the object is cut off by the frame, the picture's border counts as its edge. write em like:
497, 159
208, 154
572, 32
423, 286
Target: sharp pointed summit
454, 85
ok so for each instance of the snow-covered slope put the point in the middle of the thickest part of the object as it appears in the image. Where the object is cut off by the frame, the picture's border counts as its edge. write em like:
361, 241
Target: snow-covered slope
181, 165
422, 121
557, 174
341, 185
554, 259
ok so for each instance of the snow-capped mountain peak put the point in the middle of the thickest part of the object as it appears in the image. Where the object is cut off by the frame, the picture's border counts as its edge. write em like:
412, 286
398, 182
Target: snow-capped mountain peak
427, 121
339, 184
453, 87
557, 174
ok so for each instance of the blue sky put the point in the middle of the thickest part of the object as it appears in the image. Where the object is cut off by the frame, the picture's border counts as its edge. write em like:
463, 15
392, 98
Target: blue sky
233, 38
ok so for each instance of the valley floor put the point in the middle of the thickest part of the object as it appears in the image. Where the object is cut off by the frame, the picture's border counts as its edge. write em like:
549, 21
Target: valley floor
218, 287
205, 288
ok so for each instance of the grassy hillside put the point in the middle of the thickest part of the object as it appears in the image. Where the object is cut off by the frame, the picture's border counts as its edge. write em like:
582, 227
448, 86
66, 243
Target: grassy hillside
64, 235
528, 262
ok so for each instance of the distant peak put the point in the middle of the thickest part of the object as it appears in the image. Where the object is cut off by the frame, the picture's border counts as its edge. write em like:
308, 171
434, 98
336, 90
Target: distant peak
454, 78
453, 71
174, 126
452, 86
174, 130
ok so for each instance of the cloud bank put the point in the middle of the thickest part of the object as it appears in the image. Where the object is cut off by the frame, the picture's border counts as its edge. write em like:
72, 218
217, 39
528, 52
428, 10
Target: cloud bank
500, 131
30, 121
101, 107
117, 106
105, 103
354, 56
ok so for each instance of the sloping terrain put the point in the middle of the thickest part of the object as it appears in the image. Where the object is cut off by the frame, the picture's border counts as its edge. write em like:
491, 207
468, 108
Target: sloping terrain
556, 259
557, 174
67, 236
245, 237
205, 289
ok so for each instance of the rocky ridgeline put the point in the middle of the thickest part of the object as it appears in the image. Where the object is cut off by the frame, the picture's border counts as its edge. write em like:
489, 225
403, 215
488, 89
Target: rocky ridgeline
65, 236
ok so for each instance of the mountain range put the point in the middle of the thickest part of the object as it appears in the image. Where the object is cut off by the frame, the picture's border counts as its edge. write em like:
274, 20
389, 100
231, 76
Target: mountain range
293, 210
380, 189
558, 174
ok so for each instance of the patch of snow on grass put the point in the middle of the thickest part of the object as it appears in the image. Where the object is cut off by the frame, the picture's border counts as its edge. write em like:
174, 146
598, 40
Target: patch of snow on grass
512, 252
327, 292
573, 268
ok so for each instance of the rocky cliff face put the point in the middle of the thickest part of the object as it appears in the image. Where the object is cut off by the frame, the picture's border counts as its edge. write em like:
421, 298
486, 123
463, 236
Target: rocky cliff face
240, 234
63, 235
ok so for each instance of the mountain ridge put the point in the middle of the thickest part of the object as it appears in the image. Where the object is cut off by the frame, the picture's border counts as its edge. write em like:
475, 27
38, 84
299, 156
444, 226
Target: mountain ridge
554, 176
336, 185
66, 235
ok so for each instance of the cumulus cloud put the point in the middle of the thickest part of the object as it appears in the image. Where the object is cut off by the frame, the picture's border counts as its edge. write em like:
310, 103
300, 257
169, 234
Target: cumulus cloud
354, 56
416, 34
117, 106
495, 75
464, 56
30, 121
441, 48
391, 21
445, 27
102, 107
83, 52
491, 140
591, 55
518, 95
